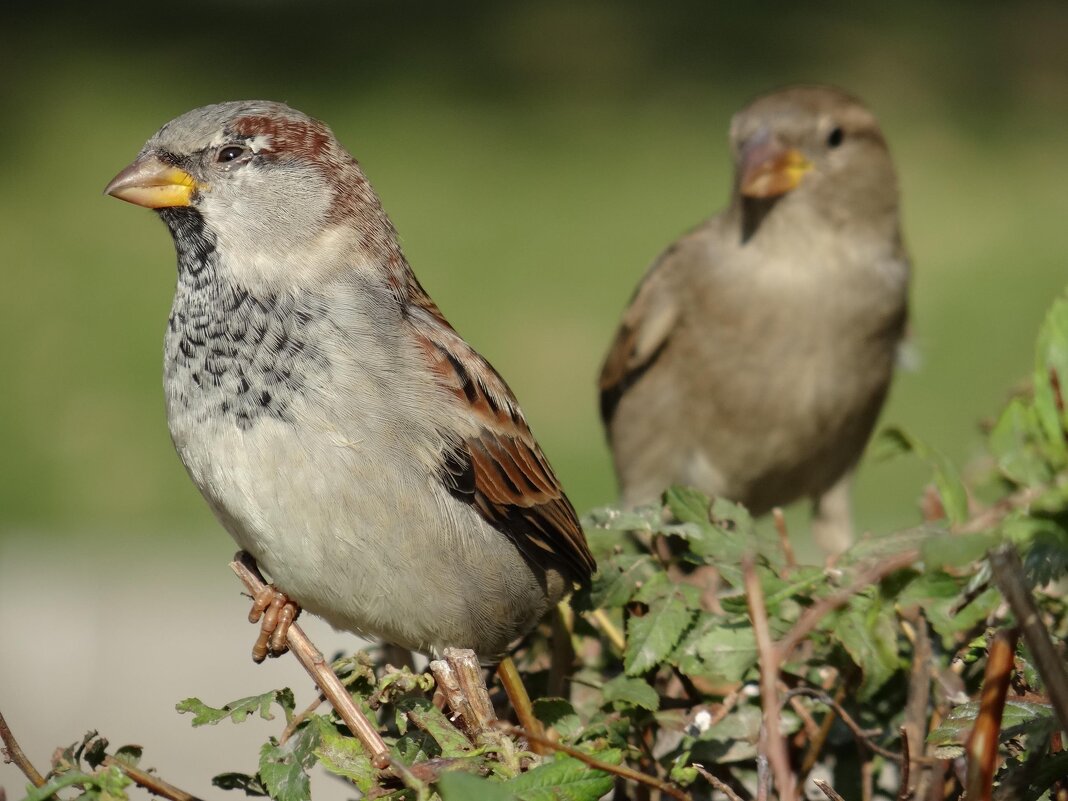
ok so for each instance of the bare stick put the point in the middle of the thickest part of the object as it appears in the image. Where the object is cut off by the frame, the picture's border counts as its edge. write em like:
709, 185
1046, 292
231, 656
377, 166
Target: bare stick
827, 790
815, 746
616, 770
784, 538
299, 718
815, 613
312, 660
13, 753
1009, 575
903, 791
769, 678
717, 783
520, 700
459, 675
982, 746
154, 784
918, 699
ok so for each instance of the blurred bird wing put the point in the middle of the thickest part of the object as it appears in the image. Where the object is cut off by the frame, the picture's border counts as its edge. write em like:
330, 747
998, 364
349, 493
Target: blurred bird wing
648, 323
500, 469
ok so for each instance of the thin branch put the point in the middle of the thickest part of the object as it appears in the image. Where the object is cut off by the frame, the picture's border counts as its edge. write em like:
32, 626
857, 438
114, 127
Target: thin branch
312, 660
982, 746
154, 784
1010, 578
600, 620
616, 770
815, 746
812, 616
827, 790
299, 718
990, 517
13, 753
863, 736
784, 538
906, 763
717, 783
771, 728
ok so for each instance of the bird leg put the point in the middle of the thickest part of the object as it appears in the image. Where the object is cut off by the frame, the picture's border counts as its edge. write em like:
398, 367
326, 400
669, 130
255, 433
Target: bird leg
278, 613
520, 701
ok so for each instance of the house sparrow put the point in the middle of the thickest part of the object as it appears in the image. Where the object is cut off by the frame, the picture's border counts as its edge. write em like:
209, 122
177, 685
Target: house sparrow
342, 431
757, 351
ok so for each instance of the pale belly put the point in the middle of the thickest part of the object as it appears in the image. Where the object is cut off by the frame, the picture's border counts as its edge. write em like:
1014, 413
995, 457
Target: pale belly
362, 536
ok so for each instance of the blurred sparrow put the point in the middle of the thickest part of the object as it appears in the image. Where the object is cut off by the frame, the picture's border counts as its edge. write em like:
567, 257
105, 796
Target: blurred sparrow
757, 351
342, 431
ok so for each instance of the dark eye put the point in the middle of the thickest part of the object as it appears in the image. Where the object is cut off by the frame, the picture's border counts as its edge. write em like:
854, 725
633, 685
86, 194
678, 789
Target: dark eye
835, 137
230, 153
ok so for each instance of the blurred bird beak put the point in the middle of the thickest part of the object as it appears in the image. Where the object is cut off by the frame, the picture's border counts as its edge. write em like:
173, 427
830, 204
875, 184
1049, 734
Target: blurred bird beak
769, 169
151, 183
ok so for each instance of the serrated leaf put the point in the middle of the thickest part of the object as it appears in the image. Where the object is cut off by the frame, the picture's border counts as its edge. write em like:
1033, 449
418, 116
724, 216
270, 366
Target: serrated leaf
251, 785
619, 578
432, 720
689, 505
564, 779
653, 636
559, 715
238, 710
714, 649
1012, 442
950, 737
343, 756
939, 595
460, 786
867, 629
957, 550
632, 691
642, 518
284, 771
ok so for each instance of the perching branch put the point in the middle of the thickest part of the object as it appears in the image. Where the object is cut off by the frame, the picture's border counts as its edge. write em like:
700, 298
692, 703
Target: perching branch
13, 753
312, 660
154, 784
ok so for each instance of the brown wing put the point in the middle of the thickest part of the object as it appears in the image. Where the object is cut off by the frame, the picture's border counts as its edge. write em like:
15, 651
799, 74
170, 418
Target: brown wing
501, 471
643, 334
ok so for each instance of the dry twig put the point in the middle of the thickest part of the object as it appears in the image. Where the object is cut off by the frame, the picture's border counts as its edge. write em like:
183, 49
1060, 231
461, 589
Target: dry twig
616, 770
717, 783
769, 658
784, 539
312, 660
982, 747
459, 675
13, 753
827, 790
903, 792
154, 784
1010, 578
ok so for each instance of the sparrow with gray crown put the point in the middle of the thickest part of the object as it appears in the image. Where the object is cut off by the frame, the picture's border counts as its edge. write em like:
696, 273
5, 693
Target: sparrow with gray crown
368, 458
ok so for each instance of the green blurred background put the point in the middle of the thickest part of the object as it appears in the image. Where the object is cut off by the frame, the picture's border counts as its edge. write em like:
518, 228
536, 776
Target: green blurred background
535, 157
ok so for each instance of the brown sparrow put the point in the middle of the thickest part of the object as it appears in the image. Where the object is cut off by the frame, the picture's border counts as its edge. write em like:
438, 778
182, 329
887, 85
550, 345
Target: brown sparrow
757, 351
342, 431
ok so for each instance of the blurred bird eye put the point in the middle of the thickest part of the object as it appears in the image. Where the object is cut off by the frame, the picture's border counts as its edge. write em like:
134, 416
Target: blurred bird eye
835, 137
230, 153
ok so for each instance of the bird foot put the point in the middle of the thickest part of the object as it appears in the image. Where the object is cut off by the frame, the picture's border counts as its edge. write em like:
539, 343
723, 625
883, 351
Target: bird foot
275, 613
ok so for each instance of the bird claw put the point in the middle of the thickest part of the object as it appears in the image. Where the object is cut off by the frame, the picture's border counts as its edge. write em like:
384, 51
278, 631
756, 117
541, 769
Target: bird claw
277, 612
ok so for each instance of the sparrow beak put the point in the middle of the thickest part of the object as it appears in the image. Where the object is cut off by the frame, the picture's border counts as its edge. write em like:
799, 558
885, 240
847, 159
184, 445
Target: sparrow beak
152, 183
769, 169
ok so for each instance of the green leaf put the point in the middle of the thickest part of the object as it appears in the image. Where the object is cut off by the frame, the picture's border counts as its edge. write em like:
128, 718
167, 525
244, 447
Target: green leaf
619, 578
1051, 365
689, 505
632, 691
563, 779
284, 771
716, 650
430, 719
938, 594
238, 710
558, 714
1012, 442
457, 785
240, 781
950, 737
867, 629
129, 754
653, 636
343, 756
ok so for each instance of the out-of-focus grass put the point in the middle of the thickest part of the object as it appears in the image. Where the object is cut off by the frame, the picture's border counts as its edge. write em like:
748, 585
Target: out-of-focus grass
528, 205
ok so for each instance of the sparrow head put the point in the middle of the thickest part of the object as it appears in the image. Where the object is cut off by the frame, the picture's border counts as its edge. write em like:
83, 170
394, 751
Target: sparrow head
814, 146
268, 183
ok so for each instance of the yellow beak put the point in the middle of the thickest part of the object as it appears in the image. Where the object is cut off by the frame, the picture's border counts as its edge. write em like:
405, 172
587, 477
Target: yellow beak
770, 170
151, 183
